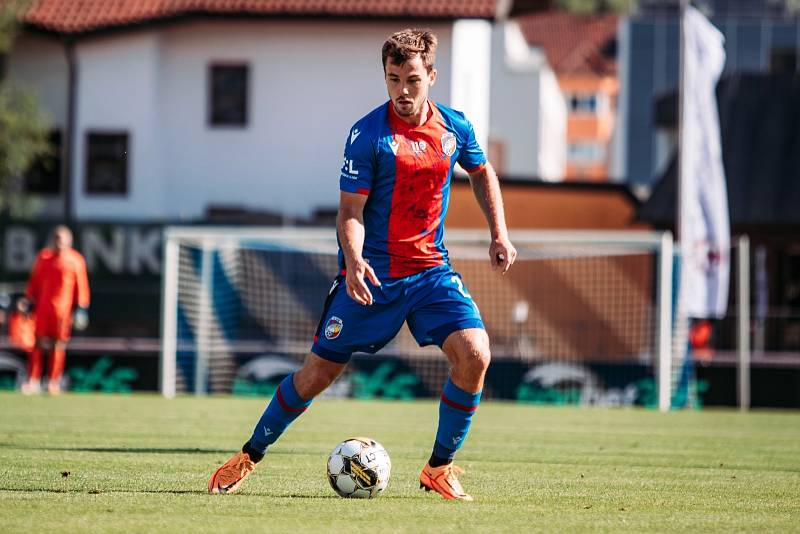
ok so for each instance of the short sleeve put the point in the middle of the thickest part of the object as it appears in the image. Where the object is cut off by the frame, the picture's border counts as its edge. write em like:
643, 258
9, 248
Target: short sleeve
358, 168
471, 158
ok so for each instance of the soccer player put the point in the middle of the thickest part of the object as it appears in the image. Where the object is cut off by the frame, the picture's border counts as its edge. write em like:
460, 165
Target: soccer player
395, 185
58, 289
22, 326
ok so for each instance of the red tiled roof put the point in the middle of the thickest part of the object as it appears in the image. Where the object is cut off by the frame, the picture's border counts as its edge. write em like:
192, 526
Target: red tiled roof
573, 43
80, 16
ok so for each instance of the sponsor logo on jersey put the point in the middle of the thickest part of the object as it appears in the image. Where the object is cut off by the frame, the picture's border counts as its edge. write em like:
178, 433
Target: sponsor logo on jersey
349, 170
333, 328
448, 143
354, 135
418, 147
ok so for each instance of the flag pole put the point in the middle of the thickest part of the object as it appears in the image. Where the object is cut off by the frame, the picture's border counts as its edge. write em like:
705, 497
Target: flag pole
679, 178
680, 325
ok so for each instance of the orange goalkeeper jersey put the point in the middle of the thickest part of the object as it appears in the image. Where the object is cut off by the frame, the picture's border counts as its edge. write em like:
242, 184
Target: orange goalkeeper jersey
58, 283
21, 331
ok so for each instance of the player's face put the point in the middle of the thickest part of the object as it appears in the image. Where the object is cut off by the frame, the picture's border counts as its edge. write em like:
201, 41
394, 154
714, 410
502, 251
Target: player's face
408, 85
62, 241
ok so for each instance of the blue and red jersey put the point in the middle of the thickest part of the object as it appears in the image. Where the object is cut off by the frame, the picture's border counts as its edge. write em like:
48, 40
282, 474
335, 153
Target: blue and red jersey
405, 172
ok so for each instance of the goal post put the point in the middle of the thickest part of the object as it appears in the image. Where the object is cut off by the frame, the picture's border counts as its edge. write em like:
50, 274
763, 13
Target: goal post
583, 316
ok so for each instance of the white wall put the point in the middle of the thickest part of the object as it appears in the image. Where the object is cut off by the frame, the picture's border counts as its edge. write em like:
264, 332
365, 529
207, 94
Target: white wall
119, 89
552, 151
309, 82
520, 87
472, 45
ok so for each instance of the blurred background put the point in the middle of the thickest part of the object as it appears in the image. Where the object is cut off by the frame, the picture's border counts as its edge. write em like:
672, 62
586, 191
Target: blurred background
121, 118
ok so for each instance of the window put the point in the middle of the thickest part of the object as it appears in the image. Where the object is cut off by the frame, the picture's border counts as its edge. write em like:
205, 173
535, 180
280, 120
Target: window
107, 163
228, 95
582, 103
586, 152
44, 175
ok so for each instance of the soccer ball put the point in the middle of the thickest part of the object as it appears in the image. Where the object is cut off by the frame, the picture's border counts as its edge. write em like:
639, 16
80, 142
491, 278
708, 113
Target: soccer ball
359, 467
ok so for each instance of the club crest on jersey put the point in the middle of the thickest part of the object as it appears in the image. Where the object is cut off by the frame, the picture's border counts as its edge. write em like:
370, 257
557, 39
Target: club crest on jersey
333, 328
448, 143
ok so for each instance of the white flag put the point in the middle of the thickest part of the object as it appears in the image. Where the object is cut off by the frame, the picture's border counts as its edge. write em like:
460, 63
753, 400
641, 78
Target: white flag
704, 225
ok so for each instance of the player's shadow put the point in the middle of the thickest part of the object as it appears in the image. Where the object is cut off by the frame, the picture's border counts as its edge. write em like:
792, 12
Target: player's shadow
202, 492
145, 450
103, 491
134, 450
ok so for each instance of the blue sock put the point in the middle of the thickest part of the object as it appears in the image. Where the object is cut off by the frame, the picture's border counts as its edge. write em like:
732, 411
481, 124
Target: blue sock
455, 415
285, 406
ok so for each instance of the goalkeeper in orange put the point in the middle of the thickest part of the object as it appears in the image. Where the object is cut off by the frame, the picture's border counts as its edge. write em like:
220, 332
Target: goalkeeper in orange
58, 289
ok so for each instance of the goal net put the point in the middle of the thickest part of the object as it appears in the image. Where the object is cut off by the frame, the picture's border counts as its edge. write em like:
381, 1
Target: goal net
581, 318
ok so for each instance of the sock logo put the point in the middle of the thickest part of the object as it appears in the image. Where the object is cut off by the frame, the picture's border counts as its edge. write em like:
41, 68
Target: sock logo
456, 439
267, 432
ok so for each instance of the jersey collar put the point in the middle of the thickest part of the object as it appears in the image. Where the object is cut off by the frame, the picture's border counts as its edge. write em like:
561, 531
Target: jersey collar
398, 124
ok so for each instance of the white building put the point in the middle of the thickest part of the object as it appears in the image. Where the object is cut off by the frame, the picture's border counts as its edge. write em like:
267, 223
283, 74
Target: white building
177, 110
528, 117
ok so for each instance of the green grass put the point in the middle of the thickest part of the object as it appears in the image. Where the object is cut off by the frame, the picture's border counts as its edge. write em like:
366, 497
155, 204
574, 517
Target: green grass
140, 463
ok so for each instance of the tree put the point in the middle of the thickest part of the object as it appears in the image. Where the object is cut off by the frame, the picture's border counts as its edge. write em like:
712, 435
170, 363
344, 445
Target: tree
23, 126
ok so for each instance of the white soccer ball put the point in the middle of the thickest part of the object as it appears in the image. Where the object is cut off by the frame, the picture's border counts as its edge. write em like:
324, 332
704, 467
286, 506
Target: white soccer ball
359, 467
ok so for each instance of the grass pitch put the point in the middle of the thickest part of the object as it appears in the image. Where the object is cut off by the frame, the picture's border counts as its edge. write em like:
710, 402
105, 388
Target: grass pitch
100, 463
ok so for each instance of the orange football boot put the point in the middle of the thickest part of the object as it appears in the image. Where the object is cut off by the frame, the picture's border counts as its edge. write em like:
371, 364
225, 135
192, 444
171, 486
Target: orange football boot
443, 480
231, 474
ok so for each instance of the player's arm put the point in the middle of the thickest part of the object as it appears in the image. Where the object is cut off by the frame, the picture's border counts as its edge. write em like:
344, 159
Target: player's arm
350, 225
81, 296
81, 284
486, 188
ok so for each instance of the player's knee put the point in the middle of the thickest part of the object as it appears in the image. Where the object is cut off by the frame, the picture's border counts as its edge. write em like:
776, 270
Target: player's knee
481, 360
483, 353
477, 357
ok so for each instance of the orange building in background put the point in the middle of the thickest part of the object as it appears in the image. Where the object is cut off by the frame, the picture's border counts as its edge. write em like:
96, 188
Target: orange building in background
581, 49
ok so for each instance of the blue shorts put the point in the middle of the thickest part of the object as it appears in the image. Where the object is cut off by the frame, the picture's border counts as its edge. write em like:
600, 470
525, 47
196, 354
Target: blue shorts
435, 303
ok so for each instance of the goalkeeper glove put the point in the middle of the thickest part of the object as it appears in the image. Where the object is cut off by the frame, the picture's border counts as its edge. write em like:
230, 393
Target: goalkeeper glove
81, 319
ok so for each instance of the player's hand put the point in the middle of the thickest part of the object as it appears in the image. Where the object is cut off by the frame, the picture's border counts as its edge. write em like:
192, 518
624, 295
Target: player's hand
502, 254
356, 287
24, 306
81, 319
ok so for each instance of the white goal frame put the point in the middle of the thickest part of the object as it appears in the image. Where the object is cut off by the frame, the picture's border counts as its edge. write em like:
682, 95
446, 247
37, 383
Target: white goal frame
660, 243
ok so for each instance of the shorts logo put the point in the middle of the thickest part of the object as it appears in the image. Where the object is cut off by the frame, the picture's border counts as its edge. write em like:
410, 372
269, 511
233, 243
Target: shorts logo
449, 143
333, 328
